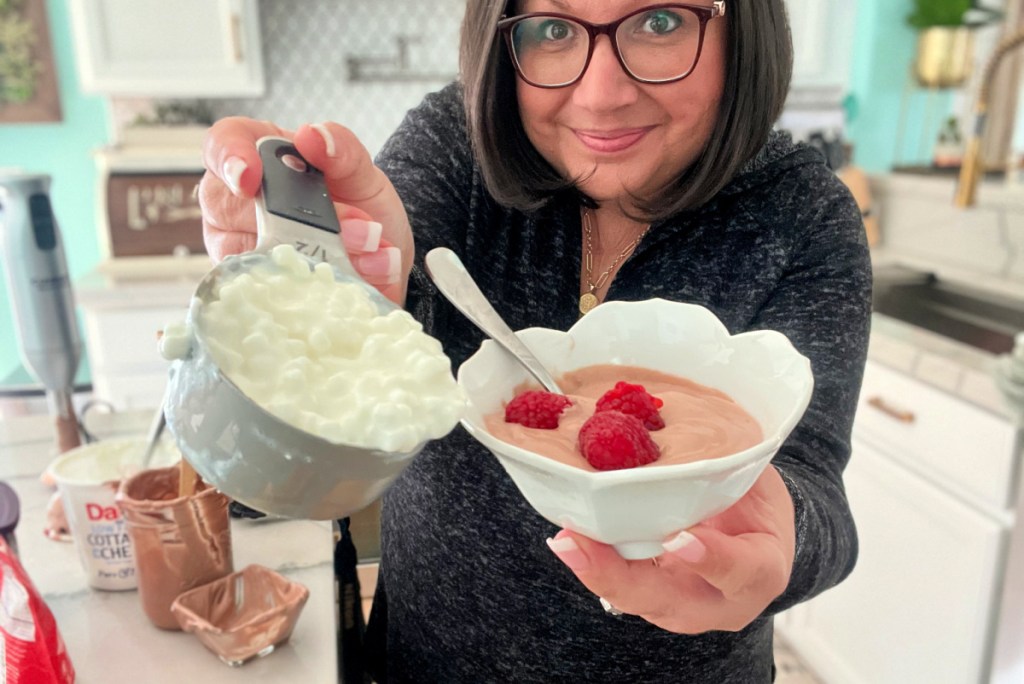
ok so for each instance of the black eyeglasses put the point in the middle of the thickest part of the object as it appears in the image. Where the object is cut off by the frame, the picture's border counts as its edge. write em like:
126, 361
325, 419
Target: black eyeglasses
655, 44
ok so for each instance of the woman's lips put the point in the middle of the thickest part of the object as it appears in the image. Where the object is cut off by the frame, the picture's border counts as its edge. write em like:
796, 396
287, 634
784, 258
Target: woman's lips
611, 141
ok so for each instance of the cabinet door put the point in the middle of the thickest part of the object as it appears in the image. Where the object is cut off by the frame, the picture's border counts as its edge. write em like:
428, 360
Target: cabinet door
185, 48
822, 43
919, 604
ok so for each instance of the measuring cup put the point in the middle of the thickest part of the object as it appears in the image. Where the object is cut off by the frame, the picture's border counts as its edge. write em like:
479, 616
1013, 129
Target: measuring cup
234, 444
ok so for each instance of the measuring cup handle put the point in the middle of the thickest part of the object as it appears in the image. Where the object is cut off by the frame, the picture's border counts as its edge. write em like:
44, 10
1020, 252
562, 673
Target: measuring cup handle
294, 207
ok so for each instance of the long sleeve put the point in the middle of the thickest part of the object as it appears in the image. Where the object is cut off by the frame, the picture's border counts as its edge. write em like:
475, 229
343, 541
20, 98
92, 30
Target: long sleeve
428, 160
823, 304
464, 564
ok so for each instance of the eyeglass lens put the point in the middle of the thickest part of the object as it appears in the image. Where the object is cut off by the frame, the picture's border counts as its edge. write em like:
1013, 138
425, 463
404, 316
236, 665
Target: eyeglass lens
658, 45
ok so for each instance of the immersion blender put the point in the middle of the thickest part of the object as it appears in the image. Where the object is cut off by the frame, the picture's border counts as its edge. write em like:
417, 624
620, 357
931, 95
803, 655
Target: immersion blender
40, 292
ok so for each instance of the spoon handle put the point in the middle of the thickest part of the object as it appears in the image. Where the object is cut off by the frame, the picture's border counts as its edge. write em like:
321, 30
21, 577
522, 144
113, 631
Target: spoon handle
453, 280
294, 207
156, 429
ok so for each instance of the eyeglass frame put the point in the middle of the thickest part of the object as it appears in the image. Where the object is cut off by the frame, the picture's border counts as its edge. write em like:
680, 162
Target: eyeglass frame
703, 12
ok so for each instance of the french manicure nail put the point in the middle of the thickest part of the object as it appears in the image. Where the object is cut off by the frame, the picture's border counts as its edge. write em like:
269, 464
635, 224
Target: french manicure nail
326, 135
569, 553
361, 235
384, 263
686, 547
233, 169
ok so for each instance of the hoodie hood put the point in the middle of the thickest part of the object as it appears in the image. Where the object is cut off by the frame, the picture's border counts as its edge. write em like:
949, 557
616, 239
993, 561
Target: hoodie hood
779, 154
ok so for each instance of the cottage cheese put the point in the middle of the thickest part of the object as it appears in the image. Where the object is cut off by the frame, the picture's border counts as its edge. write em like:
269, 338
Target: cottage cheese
319, 355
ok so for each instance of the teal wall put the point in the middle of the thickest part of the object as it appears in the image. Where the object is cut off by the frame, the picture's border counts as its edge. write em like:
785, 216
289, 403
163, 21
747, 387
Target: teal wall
63, 150
883, 55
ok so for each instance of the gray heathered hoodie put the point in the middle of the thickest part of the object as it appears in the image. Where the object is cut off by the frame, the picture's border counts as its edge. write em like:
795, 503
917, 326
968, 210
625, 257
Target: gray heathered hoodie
468, 590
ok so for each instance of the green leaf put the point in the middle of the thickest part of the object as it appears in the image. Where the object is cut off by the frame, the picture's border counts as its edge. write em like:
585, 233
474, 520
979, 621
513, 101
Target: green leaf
930, 13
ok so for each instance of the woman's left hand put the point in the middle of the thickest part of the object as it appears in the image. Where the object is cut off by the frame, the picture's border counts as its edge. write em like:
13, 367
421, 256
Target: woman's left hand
719, 575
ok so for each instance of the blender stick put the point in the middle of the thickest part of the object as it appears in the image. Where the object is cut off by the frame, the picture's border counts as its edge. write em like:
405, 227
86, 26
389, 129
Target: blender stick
32, 252
65, 421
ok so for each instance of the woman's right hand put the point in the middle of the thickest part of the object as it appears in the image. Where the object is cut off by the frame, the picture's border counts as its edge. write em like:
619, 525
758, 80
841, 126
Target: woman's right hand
360, 191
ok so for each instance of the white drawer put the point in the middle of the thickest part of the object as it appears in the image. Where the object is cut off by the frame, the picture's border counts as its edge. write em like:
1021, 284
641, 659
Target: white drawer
125, 340
957, 444
130, 392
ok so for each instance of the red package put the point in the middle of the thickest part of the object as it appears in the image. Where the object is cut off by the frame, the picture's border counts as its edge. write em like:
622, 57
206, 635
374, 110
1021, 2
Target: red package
32, 650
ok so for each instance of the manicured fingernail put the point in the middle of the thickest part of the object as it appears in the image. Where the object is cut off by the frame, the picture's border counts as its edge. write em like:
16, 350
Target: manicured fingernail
234, 167
686, 547
361, 235
326, 135
569, 553
384, 263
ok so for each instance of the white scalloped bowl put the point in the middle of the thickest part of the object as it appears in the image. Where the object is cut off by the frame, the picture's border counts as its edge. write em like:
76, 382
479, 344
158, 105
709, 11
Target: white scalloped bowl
638, 508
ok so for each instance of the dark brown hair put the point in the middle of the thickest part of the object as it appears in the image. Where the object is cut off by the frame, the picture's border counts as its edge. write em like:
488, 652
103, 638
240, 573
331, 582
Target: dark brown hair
758, 67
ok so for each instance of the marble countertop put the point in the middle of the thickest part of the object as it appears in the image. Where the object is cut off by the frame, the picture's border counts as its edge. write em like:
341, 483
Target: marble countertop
108, 637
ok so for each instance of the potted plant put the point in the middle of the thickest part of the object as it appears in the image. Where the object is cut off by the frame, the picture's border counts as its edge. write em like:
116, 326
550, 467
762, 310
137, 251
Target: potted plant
945, 41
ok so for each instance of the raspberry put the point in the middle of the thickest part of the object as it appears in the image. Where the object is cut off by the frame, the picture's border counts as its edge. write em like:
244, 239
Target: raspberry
610, 440
536, 409
633, 400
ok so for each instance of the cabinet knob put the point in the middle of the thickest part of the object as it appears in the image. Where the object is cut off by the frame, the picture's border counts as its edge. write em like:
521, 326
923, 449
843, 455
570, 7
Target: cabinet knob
902, 415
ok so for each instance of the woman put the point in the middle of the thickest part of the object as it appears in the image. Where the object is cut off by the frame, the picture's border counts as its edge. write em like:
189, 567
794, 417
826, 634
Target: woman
565, 165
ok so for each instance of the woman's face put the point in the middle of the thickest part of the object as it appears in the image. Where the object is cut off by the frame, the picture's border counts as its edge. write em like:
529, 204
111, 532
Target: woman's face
620, 137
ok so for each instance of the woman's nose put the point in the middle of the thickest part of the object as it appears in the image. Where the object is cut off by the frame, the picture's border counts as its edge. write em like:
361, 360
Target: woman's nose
605, 85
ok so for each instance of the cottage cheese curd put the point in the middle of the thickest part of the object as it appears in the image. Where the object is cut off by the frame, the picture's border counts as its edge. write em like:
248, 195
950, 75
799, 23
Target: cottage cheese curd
319, 355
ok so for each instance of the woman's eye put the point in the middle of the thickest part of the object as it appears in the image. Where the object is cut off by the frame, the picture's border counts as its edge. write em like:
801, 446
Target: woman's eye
554, 29
661, 22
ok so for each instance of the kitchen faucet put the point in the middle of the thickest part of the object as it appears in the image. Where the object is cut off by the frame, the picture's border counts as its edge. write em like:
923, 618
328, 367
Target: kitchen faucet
971, 170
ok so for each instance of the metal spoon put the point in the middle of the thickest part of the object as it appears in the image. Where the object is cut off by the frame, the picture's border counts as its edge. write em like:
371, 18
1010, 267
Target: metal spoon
453, 280
156, 428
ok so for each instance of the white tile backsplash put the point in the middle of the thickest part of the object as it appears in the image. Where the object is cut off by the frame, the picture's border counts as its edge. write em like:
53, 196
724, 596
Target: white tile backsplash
919, 221
307, 48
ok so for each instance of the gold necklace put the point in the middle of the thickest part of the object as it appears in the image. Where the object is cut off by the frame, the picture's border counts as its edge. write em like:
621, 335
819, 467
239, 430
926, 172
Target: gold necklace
588, 300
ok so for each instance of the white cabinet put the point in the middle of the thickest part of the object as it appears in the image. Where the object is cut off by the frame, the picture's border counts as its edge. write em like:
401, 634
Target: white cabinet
822, 43
125, 304
185, 48
931, 483
127, 369
919, 603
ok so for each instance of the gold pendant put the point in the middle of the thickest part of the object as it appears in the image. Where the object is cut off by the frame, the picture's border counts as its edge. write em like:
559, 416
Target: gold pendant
587, 302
